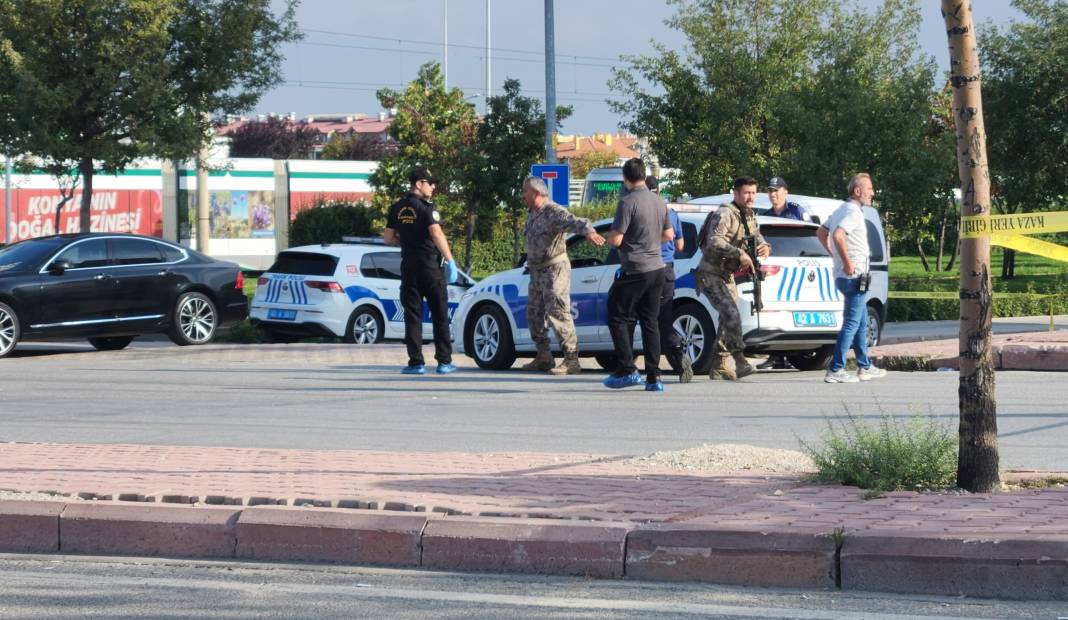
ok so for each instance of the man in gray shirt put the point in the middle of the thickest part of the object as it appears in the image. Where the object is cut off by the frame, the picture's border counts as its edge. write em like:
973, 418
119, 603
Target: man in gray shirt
640, 227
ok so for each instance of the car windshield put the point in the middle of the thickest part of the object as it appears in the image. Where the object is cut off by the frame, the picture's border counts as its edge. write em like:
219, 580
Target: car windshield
25, 254
305, 264
793, 241
602, 191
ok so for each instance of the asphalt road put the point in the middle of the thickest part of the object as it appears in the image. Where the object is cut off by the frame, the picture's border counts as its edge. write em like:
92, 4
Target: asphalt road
339, 396
33, 587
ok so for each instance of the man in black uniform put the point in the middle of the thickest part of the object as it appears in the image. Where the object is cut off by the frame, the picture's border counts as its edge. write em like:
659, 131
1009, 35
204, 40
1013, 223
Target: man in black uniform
414, 224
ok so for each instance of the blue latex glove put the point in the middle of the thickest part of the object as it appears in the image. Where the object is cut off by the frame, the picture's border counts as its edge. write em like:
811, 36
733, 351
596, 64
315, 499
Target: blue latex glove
452, 273
619, 273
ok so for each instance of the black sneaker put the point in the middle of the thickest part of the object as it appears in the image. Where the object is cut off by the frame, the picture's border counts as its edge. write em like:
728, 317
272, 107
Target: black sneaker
774, 362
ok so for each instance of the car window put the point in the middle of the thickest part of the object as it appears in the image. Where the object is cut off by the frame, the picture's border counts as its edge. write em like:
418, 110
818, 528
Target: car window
87, 254
584, 254
381, 265
26, 253
304, 263
689, 237
875, 243
602, 191
135, 252
170, 254
793, 241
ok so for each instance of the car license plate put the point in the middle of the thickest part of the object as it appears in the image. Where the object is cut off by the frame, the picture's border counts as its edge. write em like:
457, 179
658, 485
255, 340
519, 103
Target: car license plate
814, 319
281, 315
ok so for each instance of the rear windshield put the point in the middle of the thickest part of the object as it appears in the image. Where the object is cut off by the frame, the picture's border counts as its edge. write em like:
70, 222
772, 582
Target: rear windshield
305, 264
793, 241
26, 254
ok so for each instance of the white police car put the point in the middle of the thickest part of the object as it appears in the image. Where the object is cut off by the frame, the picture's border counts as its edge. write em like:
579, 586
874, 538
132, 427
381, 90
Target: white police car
801, 316
347, 290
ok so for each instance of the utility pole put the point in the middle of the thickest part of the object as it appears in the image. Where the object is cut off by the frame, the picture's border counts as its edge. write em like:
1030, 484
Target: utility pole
8, 165
445, 48
550, 83
977, 456
489, 82
203, 201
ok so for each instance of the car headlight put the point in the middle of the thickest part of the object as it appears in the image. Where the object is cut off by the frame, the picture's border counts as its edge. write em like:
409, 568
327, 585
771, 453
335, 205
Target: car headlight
466, 295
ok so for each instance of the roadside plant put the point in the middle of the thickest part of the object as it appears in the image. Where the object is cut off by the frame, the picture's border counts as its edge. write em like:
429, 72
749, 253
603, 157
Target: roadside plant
893, 454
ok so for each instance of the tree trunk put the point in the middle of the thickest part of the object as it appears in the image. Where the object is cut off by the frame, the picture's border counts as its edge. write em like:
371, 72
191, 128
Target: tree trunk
1008, 263
953, 257
85, 169
977, 458
941, 239
923, 257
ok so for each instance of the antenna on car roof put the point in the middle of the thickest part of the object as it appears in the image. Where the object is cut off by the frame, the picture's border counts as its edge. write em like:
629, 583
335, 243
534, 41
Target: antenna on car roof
364, 240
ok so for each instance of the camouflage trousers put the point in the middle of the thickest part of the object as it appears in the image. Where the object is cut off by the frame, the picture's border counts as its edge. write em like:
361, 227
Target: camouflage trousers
549, 301
723, 295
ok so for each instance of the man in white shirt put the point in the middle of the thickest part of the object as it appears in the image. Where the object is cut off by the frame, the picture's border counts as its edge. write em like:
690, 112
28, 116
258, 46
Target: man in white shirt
845, 236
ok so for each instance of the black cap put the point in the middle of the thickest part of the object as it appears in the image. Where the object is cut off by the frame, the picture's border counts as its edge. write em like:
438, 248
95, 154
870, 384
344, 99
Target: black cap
776, 183
420, 173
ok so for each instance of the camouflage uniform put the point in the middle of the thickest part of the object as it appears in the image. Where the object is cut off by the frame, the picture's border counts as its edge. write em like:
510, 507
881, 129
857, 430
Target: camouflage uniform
722, 238
549, 291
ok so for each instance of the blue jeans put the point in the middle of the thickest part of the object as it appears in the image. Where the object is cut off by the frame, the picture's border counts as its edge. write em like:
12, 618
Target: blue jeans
854, 326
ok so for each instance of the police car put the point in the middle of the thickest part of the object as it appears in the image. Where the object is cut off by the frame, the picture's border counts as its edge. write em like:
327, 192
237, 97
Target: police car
348, 290
801, 316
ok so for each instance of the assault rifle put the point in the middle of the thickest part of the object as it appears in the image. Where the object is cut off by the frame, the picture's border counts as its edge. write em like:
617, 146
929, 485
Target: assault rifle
758, 275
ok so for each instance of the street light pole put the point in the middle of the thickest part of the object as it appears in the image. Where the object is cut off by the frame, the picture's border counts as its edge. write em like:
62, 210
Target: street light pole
489, 83
445, 48
550, 83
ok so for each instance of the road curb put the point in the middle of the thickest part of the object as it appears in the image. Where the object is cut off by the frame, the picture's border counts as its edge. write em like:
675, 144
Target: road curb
1026, 567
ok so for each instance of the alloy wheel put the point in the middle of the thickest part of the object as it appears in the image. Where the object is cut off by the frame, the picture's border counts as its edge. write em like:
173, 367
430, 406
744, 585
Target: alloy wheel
486, 337
196, 318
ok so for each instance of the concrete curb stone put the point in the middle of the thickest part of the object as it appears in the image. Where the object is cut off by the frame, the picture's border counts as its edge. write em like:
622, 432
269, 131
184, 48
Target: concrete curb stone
29, 527
113, 528
794, 559
330, 535
1011, 568
546, 546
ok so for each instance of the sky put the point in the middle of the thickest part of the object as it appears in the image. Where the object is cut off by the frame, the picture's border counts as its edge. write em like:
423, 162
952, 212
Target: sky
354, 47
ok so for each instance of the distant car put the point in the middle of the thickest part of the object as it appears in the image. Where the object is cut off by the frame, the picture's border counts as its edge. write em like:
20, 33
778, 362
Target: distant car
801, 317
602, 185
110, 288
344, 290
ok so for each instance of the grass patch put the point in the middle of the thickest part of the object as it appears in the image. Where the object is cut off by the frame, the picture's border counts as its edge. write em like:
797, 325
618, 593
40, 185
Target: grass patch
889, 455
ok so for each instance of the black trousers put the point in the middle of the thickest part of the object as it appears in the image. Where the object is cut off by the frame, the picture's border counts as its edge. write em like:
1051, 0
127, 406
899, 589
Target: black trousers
636, 297
670, 340
424, 279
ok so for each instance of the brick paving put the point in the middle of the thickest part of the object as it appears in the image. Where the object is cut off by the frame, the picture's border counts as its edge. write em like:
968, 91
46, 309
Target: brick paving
563, 486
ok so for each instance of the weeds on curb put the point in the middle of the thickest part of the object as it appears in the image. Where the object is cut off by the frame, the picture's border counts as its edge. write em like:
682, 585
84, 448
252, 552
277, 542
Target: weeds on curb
892, 454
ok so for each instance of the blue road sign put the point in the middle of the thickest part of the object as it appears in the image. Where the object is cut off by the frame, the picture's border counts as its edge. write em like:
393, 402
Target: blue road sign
557, 177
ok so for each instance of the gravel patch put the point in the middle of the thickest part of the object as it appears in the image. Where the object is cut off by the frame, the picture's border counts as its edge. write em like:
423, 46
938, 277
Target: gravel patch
27, 496
726, 458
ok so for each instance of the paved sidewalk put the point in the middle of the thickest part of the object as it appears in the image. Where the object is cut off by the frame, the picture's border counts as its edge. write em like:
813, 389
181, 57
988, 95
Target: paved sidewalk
1014, 351
607, 516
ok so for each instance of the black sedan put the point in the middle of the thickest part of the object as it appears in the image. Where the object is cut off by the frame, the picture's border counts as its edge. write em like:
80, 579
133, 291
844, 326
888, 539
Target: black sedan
111, 288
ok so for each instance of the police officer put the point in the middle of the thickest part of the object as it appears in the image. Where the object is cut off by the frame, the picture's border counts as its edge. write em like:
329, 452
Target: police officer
670, 340
414, 224
723, 252
778, 192
549, 290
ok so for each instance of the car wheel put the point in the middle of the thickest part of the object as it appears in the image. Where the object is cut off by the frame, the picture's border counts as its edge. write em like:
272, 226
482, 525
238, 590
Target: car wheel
111, 343
365, 326
693, 323
875, 326
816, 359
608, 361
10, 330
489, 339
195, 320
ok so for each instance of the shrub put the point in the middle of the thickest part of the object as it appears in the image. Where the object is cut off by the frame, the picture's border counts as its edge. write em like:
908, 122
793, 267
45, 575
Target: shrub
328, 222
891, 455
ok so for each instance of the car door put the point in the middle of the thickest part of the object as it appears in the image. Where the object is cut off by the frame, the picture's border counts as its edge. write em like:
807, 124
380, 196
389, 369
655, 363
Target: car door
381, 274
593, 269
142, 281
83, 294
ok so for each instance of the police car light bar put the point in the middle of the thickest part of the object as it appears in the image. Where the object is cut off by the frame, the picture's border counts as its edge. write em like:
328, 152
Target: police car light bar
364, 240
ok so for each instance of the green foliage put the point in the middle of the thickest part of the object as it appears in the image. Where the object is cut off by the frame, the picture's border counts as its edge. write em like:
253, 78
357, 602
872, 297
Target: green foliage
89, 83
274, 138
352, 146
328, 222
891, 455
582, 164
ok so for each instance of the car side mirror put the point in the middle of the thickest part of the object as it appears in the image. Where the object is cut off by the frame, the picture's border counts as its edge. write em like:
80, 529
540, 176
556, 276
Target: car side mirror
58, 267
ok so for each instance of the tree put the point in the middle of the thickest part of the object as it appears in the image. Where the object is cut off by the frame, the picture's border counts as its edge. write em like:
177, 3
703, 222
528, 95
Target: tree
511, 138
582, 164
274, 138
977, 457
358, 147
104, 83
1024, 97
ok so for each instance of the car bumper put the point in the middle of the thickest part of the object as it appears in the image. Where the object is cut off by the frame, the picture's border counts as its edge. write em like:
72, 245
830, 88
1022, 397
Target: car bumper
296, 329
306, 321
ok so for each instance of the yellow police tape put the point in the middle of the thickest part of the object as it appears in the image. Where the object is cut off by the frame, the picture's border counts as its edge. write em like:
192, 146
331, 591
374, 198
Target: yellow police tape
1031, 246
972, 226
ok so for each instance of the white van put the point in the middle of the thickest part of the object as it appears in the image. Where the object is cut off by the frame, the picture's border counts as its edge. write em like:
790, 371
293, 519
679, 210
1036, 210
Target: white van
603, 184
818, 210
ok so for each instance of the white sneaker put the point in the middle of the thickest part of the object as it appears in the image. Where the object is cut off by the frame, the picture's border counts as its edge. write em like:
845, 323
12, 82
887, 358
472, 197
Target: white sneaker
840, 376
869, 373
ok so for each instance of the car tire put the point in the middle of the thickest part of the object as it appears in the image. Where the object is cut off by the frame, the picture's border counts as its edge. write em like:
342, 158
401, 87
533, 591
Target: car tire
608, 361
488, 339
698, 334
875, 326
365, 326
111, 343
194, 320
10, 329
816, 359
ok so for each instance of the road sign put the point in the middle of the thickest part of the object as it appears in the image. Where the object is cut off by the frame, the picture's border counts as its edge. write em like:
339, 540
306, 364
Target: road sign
557, 177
